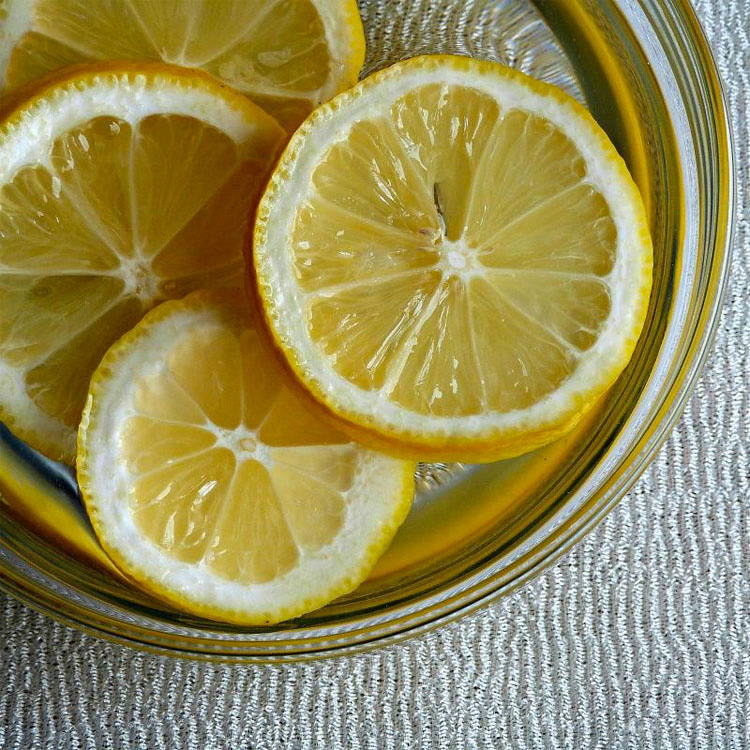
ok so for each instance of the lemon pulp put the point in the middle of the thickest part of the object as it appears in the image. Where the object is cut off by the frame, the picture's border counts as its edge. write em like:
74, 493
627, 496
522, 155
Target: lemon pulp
412, 307
228, 468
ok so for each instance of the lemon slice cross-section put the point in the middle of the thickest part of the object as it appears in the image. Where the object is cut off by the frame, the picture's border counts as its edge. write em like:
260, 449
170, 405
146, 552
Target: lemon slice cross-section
119, 187
209, 482
454, 259
286, 55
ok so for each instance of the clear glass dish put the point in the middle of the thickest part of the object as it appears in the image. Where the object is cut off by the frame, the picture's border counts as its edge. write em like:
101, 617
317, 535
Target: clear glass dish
476, 532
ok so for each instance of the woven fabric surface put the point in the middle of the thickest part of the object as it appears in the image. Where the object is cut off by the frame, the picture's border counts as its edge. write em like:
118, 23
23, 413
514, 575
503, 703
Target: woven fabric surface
638, 638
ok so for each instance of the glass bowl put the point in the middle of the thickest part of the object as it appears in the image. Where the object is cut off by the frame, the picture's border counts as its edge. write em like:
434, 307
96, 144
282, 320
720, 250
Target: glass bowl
476, 532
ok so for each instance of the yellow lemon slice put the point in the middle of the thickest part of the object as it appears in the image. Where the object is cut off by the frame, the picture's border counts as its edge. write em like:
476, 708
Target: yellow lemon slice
286, 55
119, 187
454, 259
214, 486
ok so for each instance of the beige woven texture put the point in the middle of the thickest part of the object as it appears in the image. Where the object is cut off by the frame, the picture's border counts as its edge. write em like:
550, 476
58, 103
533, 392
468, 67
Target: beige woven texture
639, 638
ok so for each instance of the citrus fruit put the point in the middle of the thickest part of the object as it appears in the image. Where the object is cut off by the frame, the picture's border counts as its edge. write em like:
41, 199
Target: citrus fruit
287, 55
119, 187
212, 485
453, 258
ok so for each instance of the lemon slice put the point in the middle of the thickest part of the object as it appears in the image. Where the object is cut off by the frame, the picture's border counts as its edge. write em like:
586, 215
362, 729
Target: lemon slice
454, 259
119, 187
210, 483
286, 55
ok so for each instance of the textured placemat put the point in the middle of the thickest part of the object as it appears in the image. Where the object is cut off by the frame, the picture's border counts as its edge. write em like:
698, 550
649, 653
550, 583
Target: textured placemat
639, 638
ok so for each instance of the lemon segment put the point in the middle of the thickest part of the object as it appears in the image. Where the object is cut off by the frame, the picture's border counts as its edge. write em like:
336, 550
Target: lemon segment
453, 259
119, 187
211, 484
286, 55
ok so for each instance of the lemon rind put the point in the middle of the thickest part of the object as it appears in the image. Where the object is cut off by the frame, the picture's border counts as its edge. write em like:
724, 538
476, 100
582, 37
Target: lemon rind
391, 486
32, 122
484, 437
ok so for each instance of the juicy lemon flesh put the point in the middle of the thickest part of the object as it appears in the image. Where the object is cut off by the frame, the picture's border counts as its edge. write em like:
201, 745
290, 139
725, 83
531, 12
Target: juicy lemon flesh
453, 256
230, 470
283, 71
114, 218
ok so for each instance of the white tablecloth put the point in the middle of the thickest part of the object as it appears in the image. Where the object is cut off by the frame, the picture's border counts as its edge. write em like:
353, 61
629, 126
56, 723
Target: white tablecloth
639, 638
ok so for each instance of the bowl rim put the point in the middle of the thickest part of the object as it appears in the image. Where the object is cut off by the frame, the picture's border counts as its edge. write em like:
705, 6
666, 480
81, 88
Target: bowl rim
18, 577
